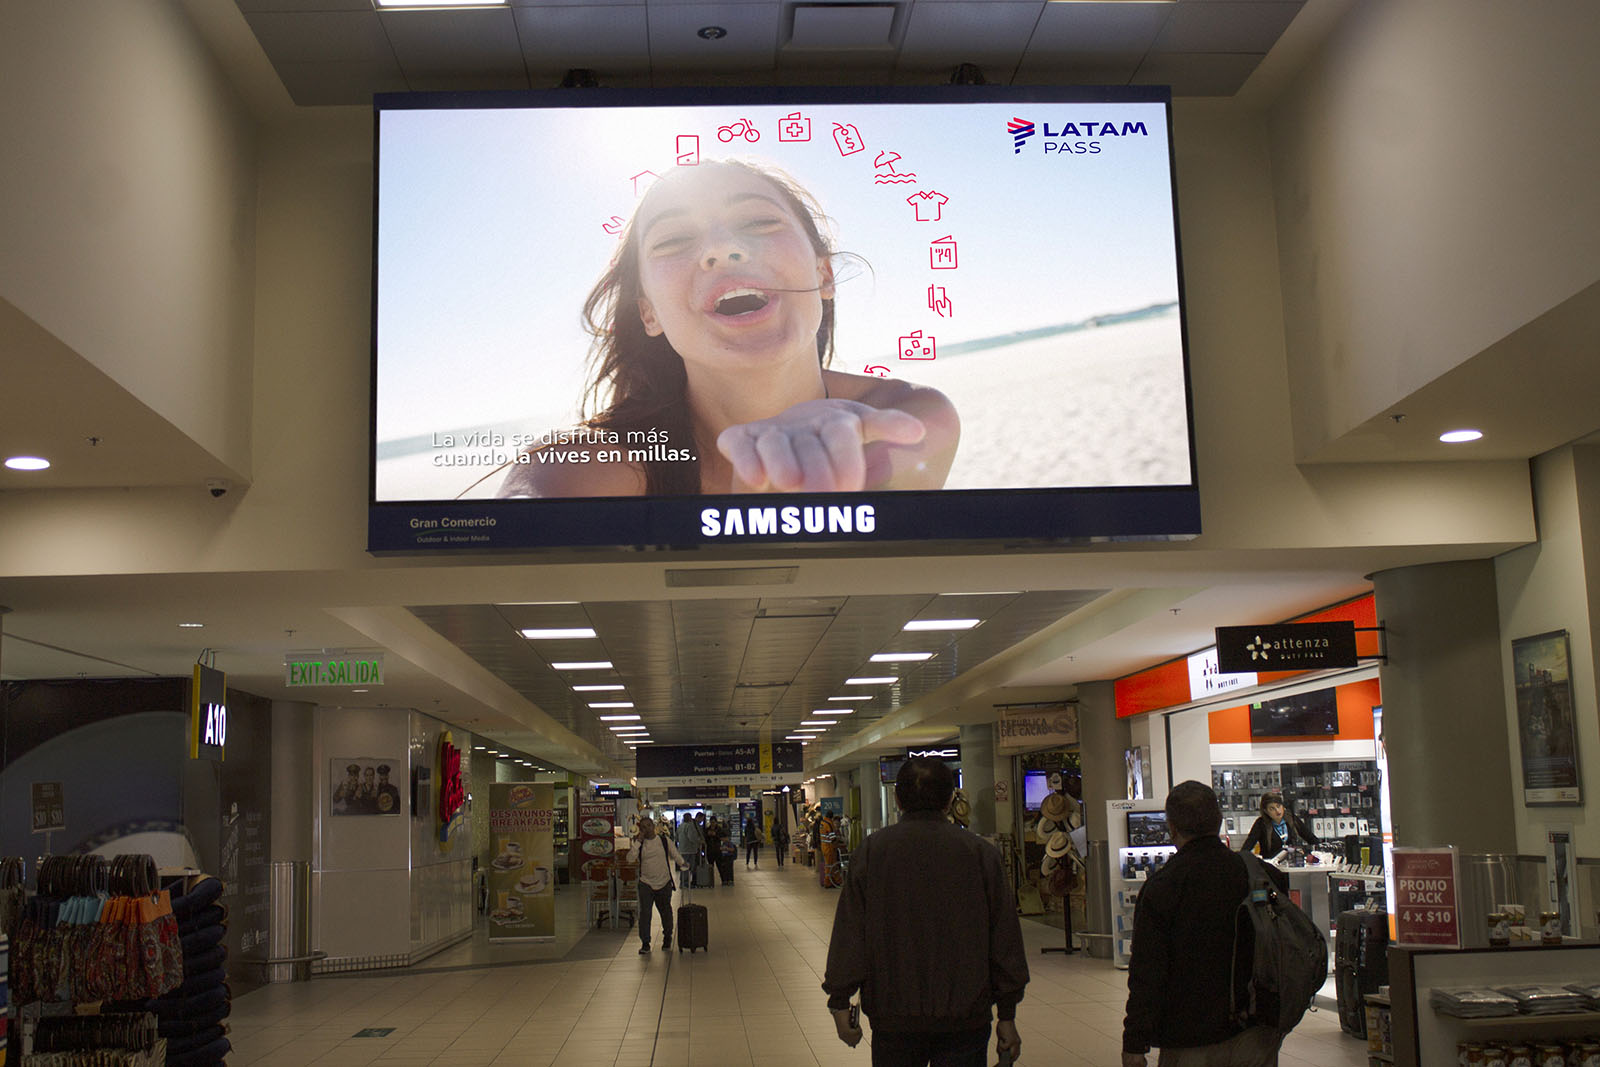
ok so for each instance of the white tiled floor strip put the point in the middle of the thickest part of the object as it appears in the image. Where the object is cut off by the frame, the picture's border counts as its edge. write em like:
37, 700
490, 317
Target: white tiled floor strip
753, 999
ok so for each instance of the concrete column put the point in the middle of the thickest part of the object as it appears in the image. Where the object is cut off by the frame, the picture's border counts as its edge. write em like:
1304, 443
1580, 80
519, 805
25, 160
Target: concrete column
871, 797
1103, 741
977, 774
1444, 716
294, 781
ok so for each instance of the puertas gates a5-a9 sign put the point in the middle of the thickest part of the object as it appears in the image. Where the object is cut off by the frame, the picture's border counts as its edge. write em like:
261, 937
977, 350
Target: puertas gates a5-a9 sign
779, 763
777, 316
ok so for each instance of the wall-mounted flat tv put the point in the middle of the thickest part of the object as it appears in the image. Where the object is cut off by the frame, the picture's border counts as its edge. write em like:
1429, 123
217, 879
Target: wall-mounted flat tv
1314, 714
1148, 828
762, 316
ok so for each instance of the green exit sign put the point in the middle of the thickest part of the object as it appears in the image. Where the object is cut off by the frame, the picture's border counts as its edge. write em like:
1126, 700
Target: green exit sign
364, 669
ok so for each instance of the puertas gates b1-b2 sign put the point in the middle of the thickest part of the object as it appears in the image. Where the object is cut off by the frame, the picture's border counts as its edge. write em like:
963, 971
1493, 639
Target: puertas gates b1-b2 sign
769, 764
1290, 646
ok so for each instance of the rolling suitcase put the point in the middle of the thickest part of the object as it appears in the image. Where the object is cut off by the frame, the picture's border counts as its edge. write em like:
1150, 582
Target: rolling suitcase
692, 924
703, 875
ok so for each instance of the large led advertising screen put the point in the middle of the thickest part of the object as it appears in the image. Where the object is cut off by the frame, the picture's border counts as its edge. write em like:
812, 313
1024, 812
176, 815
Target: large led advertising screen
767, 316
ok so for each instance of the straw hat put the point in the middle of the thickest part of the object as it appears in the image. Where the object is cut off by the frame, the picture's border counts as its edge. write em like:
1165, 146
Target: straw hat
1047, 865
1058, 845
1046, 827
1054, 807
960, 810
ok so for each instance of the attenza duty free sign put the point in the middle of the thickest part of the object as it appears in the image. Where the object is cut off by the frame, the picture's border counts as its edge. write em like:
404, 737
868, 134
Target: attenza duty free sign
363, 669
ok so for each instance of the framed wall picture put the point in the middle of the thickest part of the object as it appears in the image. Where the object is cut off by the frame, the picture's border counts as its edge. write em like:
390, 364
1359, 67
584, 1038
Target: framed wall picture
361, 785
1546, 724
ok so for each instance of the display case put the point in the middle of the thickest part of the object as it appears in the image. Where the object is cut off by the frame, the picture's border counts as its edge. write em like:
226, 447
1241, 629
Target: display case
1337, 799
1138, 846
1424, 1038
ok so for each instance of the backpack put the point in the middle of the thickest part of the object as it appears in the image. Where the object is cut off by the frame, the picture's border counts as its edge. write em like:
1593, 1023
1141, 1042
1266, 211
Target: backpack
1290, 963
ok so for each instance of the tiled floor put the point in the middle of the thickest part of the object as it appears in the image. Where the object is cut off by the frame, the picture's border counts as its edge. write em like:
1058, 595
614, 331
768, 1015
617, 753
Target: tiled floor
753, 999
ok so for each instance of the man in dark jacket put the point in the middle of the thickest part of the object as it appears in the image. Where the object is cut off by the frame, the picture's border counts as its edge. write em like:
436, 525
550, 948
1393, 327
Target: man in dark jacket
1184, 949
926, 928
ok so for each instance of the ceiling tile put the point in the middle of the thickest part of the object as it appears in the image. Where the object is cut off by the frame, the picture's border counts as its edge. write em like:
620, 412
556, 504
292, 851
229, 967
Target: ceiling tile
322, 36
1249, 26
1078, 68
841, 26
751, 42
1097, 28
469, 42
248, 6
610, 40
992, 35
1197, 75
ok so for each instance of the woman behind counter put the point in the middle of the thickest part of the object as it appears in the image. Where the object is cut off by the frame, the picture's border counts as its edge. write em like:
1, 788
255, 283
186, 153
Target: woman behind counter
1276, 828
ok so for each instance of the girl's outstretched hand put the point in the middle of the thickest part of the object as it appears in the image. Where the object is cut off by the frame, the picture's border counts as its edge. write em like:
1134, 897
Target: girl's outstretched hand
818, 446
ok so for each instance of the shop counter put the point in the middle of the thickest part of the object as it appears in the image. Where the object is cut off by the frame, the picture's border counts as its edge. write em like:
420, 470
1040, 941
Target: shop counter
1424, 1038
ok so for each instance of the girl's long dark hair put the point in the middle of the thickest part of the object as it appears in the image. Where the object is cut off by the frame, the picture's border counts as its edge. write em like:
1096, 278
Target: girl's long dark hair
637, 383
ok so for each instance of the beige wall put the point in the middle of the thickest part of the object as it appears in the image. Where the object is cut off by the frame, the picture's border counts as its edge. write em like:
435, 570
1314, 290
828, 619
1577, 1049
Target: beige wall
1555, 585
127, 201
1432, 194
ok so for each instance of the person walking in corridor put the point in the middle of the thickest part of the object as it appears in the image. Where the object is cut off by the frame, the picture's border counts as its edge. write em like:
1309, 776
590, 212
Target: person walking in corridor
926, 929
690, 842
658, 856
752, 842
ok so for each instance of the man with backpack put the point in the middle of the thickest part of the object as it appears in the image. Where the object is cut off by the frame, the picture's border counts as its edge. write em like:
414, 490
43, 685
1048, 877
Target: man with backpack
1198, 986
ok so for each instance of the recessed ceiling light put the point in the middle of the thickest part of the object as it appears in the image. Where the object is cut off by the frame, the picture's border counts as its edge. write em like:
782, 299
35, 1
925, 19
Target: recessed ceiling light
627, 726
479, 748
850, 698
889, 680
834, 711
559, 633
810, 729
816, 722
613, 704
901, 657
358, 690
640, 741
191, 626
989, 592
609, 687
1456, 437
28, 463
617, 718
591, 665
941, 624
797, 737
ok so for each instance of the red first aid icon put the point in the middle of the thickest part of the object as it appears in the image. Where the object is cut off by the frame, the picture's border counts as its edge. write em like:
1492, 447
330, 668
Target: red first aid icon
794, 127
915, 346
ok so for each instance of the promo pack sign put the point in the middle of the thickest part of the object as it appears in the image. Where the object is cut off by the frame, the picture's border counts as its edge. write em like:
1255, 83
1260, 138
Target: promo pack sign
1426, 898
1027, 729
522, 874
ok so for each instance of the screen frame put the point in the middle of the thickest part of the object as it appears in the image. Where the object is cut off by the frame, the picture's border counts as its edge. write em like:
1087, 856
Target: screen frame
950, 517
1257, 730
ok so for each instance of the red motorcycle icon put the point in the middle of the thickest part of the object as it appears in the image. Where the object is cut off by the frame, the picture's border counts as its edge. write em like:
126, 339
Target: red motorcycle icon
743, 128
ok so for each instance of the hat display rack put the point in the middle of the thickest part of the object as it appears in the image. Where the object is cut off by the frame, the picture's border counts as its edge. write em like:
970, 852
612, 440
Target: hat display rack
1060, 821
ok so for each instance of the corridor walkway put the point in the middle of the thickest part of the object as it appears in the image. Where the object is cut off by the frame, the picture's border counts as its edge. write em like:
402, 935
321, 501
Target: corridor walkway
753, 999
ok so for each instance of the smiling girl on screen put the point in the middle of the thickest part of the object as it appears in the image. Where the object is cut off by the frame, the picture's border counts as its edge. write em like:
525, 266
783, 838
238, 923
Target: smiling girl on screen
714, 326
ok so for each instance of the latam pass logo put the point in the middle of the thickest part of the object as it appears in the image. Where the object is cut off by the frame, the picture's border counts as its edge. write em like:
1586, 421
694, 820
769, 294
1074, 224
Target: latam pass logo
1071, 138
1021, 130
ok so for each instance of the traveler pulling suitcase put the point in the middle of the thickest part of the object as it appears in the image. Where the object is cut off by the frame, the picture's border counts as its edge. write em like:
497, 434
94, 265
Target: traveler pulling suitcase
693, 924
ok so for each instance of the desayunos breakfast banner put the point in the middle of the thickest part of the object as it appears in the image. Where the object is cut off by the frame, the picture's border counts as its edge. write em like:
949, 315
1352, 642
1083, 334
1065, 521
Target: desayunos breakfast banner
522, 902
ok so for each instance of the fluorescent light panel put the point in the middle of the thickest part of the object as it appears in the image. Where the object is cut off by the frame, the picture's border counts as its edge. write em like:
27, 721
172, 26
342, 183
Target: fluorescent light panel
439, 3
941, 624
851, 698
591, 665
890, 680
558, 633
28, 463
613, 704
618, 718
900, 657
834, 711
816, 722
609, 687
628, 726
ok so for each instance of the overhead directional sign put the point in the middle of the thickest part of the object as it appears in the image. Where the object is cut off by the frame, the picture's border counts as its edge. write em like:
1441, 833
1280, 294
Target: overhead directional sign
722, 765
1289, 646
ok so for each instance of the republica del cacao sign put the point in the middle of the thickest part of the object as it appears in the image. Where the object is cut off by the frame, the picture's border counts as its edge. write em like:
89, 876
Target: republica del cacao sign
1026, 729
1289, 646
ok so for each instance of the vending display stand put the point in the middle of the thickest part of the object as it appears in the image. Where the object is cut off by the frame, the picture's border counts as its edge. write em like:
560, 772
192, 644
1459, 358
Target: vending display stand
1131, 865
1424, 1038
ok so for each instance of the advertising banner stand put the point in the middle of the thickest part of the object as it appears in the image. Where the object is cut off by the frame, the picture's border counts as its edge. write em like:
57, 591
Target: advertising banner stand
522, 883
